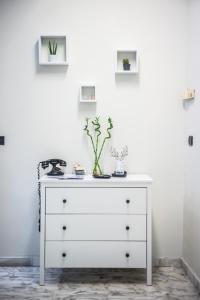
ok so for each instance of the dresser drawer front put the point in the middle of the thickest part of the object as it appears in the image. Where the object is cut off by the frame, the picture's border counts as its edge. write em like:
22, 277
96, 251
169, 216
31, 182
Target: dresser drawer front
96, 200
95, 254
96, 227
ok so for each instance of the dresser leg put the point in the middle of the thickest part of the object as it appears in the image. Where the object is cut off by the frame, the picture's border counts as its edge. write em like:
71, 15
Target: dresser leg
41, 276
149, 276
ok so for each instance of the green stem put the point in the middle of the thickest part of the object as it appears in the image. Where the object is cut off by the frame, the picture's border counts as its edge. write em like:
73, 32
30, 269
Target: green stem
88, 133
97, 126
95, 146
107, 137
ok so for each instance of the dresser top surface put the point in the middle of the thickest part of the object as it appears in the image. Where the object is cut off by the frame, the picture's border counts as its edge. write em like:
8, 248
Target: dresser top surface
89, 179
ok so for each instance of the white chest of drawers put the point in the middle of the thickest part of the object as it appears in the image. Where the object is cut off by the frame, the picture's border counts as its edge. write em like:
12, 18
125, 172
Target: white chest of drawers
96, 223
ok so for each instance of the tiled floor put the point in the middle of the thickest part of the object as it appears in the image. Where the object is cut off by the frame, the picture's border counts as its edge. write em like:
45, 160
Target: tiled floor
23, 283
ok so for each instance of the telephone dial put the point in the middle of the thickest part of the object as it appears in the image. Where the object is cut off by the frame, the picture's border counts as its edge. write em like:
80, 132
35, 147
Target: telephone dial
55, 171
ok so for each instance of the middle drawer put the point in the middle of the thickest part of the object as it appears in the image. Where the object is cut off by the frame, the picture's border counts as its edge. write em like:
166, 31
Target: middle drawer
96, 227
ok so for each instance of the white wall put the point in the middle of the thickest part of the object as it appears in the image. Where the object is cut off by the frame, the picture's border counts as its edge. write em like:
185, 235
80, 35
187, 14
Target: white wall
41, 117
191, 244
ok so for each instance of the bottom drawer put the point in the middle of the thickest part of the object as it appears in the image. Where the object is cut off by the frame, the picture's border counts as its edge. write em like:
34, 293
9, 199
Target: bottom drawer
89, 254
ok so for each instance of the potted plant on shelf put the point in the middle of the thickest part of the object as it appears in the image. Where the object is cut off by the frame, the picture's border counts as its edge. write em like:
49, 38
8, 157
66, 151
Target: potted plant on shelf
52, 51
93, 131
126, 64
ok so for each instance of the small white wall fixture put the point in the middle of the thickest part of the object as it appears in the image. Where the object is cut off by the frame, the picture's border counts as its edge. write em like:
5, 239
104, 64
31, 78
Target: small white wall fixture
60, 58
88, 93
132, 56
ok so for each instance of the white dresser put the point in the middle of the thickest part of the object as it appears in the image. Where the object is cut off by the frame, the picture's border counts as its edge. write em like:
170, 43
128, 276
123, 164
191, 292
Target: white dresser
96, 223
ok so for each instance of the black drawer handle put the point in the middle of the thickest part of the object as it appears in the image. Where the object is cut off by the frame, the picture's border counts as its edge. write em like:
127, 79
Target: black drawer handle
64, 254
127, 228
64, 227
127, 201
64, 201
127, 254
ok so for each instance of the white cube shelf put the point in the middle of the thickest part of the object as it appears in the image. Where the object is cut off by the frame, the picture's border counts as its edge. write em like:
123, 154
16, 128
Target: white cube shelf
61, 55
88, 93
132, 56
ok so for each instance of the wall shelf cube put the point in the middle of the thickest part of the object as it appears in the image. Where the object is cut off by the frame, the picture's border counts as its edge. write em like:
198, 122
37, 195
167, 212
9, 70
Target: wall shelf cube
60, 59
132, 56
88, 93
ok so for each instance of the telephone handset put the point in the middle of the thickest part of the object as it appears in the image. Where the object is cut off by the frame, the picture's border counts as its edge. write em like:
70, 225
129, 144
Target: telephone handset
55, 171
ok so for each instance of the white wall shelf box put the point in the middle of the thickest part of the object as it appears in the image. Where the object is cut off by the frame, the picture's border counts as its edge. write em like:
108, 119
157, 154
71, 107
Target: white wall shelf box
92, 223
61, 55
132, 56
88, 93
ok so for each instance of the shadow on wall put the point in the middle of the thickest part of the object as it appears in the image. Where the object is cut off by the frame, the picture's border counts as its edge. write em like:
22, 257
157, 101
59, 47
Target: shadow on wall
127, 80
187, 104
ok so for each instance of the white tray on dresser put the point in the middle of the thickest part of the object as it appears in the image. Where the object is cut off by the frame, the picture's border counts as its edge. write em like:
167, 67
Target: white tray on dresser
96, 223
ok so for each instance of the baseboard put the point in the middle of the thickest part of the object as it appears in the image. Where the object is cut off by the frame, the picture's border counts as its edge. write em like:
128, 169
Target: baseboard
191, 274
34, 261
15, 261
19, 261
167, 262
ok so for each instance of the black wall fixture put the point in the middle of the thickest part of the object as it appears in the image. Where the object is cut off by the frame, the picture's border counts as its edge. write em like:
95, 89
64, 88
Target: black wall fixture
190, 140
2, 140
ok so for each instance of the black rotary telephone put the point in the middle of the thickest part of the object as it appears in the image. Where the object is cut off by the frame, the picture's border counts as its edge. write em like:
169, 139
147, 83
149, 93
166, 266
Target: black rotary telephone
55, 171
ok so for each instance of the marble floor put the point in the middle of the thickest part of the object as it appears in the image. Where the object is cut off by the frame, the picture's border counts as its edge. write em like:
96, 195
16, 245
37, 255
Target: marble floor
169, 283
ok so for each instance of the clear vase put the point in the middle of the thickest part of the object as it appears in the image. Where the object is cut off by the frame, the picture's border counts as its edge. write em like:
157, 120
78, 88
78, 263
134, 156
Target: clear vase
97, 168
119, 167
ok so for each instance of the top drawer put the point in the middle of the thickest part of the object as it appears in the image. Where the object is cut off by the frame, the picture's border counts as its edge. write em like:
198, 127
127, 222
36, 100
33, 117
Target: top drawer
96, 200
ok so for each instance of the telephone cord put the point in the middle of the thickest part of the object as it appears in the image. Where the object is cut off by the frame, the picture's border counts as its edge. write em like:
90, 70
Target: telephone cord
39, 193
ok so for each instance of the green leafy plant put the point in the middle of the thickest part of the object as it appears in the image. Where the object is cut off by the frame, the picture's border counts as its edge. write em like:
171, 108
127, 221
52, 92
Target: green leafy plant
125, 61
52, 48
93, 131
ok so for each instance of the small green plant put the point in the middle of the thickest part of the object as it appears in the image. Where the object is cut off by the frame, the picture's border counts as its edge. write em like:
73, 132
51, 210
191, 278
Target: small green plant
52, 48
125, 61
93, 130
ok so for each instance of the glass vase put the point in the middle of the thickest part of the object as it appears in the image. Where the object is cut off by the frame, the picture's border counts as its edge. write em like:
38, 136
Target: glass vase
97, 168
